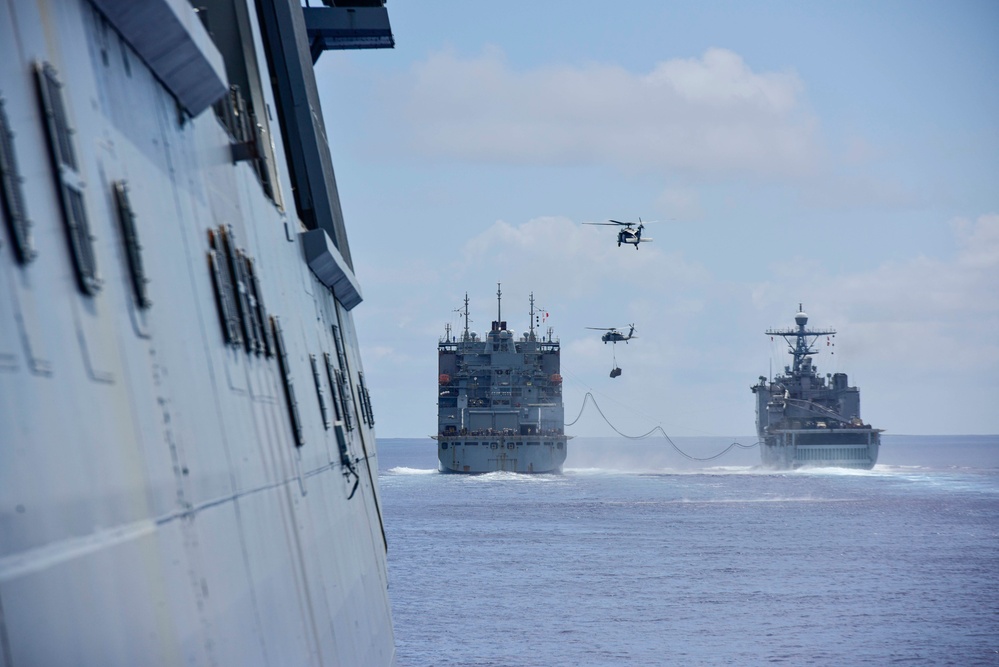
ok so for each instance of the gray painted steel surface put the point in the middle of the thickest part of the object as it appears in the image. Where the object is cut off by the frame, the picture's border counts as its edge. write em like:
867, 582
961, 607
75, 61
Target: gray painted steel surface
805, 419
188, 471
499, 406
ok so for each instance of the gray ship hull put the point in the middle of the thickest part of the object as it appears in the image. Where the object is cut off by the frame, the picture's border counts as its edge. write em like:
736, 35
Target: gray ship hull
481, 454
188, 473
787, 449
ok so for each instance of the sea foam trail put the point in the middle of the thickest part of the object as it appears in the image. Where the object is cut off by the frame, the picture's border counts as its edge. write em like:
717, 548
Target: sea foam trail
403, 470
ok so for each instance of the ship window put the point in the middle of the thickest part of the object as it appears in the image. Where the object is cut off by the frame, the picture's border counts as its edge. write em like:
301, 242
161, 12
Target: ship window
233, 260
11, 195
319, 392
341, 383
493, 445
341, 358
343, 380
289, 388
126, 219
332, 378
472, 443
533, 443
238, 295
222, 282
56, 121
68, 179
366, 399
360, 397
251, 322
259, 312
81, 242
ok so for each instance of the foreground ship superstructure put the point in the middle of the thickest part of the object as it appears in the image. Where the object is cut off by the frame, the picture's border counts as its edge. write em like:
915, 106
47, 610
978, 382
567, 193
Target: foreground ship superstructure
500, 400
805, 419
187, 455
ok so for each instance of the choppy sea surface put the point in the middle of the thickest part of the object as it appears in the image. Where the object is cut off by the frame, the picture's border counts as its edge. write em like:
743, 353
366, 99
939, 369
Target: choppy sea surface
639, 556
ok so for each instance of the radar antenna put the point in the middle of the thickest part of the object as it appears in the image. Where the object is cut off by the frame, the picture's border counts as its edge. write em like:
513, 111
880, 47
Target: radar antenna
803, 338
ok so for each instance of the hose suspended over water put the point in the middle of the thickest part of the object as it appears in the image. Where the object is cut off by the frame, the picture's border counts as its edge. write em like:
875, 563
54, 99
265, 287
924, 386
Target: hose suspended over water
589, 397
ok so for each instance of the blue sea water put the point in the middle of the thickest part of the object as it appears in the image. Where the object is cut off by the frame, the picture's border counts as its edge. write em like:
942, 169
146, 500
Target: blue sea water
638, 556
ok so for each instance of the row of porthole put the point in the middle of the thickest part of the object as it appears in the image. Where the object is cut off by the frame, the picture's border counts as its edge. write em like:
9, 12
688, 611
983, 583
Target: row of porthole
238, 295
496, 445
831, 454
70, 186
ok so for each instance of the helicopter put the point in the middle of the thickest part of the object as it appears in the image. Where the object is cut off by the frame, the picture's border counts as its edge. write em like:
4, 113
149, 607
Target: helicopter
615, 336
627, 232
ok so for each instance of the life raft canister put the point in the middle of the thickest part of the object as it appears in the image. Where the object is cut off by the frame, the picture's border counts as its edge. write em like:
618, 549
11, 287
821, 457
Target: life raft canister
444, 378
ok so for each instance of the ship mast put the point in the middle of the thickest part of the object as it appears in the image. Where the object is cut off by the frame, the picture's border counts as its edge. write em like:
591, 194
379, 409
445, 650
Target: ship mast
465, 336
531, 335
802, 346
499, 303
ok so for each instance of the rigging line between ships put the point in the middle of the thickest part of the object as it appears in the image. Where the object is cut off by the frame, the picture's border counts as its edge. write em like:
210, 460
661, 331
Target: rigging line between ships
590, 398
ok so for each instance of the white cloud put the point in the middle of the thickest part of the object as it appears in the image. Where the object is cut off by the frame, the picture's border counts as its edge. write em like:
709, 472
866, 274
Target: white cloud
569, 261
699, 114
921, 315
979, 243
681, 203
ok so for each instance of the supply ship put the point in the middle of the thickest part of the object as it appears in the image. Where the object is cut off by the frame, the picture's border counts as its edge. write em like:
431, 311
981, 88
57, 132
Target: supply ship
805, 419
188, 471
499, 406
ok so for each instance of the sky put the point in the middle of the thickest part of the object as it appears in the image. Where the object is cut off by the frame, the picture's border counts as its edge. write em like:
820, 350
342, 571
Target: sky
842, 155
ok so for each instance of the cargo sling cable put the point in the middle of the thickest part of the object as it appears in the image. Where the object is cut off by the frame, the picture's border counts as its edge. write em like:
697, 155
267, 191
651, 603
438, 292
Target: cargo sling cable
589, 397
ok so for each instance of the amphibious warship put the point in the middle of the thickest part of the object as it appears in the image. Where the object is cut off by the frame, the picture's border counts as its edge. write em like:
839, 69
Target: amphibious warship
805, 419
187, 455
500, 400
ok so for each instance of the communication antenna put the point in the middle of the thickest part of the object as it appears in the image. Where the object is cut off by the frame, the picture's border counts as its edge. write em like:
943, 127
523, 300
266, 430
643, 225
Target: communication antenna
465, 337
531, 337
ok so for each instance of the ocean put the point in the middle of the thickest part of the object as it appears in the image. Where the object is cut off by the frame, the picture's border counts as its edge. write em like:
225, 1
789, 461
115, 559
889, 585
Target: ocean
639, 556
